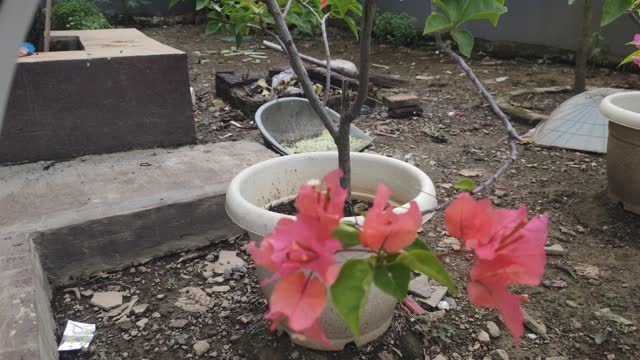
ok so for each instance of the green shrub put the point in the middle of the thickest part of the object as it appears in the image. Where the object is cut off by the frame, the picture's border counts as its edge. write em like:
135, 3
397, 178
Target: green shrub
395, 29
77, 15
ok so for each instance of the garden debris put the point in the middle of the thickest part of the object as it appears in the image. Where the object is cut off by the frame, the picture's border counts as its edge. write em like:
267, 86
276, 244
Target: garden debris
74, 290
470, 172
106, 300
190, 256
588, 271
139, 309
420, 286
201, 347
607, 314
194, 300
178, 323
76, 336
413, 306
402, 105
533, 325
127, 310
493, 328
437, 294
323, 142
555, 250
227, 260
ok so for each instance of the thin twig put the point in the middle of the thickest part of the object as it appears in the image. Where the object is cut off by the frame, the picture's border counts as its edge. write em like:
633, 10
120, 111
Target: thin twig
287, 8
299, 69
327, 50
513, 135
263, 28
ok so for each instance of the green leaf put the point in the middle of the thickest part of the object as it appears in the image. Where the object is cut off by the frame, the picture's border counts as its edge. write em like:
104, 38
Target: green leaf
352, 25
172, 3
629, 58
428, 264
453, 8
483, 9
347, 234
342, 6
200, 4
417, 244
571, 2
465, 184
393, 279
464, 39
636, 43
436, 22
212, 28
613, 9
350, 291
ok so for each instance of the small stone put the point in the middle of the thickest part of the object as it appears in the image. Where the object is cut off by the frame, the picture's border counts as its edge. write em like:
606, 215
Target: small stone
142, 322
222, 288
86, 293
532, 336
483, 337
440, 357
571, 304
156, 315
227, 260
438, 293
160, 296
210, 258
201, 347
611, 356
139, 309
178, 323
580, 229
452, 302
385, 355
606, 313
420, 286
555, 250
499, 354
132, 270
555, 358
533, 325
294, 355
124, 325
451, 242
106, 300
494, 330
443, 305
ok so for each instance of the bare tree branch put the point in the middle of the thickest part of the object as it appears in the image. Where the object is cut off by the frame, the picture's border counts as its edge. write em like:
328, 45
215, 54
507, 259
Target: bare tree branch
513, 135
363, 68
299, 69
287, 8
327, 50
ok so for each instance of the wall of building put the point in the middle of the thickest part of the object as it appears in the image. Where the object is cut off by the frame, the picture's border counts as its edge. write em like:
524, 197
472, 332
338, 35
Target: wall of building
541, 22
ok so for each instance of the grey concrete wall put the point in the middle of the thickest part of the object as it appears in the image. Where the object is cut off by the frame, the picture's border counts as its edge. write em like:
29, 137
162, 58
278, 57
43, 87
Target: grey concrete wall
540, 22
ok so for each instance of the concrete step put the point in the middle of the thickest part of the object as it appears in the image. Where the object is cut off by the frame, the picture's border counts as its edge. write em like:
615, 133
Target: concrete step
61, 221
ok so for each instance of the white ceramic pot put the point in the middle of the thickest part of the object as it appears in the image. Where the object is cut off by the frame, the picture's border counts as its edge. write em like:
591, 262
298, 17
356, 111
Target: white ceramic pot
623, 148
278, 180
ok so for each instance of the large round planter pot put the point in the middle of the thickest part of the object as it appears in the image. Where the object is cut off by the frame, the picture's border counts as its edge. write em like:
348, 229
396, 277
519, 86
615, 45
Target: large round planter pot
278, 180
623, 148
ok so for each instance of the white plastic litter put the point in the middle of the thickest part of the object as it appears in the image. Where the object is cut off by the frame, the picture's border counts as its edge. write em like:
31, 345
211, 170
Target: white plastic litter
577, 123
76, 336
282, 78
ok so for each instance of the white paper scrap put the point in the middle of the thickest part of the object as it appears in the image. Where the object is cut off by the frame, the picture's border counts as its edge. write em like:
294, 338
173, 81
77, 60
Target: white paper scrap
76, 336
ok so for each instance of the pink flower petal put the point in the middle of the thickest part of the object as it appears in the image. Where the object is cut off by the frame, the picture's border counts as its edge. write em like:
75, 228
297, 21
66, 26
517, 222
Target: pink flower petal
636, 38
507, 304
301, 299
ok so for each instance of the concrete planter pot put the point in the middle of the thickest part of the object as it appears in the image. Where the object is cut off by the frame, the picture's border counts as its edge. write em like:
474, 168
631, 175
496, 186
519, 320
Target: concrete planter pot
278, 180
623, 149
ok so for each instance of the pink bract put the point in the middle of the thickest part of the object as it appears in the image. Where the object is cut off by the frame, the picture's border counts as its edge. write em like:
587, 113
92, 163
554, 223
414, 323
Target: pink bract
385, 229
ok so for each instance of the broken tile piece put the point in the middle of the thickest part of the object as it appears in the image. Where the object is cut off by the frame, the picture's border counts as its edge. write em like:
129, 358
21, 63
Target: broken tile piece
420, 286
106, 300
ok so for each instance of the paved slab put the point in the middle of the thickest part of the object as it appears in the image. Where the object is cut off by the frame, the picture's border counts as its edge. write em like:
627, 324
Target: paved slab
103, 212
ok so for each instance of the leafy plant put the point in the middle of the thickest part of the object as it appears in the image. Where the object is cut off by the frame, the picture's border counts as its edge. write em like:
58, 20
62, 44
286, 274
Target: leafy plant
457, 12
395, 29
77, 15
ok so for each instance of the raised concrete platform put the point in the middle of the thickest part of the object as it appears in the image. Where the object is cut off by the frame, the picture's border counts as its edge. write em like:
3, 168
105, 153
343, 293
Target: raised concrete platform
118, 90
99, 213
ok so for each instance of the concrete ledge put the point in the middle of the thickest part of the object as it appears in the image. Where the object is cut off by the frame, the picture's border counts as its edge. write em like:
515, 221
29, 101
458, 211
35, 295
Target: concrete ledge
100, 213
122, 91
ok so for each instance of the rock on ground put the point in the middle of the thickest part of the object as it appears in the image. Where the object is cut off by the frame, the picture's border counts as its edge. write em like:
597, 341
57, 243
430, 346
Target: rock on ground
201, 347
106, 300
494, 330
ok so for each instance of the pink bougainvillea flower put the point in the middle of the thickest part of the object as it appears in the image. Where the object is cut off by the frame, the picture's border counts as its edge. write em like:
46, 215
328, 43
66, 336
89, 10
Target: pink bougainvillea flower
509, 249
636, 60
484, 229
300, 300
385, 229
327, 206
301, 244
636, 39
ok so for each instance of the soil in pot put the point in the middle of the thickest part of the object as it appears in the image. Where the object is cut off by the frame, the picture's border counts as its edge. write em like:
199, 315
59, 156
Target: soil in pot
358, 206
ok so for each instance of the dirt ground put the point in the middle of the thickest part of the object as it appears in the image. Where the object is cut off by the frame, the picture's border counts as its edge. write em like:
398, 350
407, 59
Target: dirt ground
602, 242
